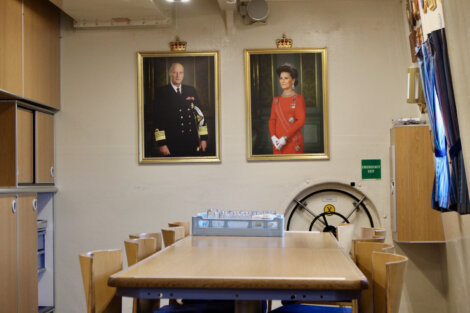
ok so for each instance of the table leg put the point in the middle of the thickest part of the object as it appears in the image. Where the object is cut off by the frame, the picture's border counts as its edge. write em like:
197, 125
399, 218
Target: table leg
248, 306
355, 306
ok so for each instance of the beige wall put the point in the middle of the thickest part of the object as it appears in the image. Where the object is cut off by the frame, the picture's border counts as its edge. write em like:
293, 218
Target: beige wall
104, 194
425, 286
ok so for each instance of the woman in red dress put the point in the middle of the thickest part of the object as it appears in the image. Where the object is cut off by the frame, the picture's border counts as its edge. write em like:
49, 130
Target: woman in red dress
287, 114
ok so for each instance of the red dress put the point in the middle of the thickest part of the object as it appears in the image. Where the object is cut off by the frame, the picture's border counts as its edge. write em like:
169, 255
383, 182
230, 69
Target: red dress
287, 119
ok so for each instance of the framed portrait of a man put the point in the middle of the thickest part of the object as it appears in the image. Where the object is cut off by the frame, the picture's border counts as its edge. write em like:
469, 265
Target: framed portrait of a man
178, 99
286, 104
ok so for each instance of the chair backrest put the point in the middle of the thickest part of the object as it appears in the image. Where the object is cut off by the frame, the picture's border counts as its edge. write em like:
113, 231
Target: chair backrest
157, 236
344, 234
172, 235
372, 233
388, 272
186, 225
96, 267
363, 256
139, 248
376, 240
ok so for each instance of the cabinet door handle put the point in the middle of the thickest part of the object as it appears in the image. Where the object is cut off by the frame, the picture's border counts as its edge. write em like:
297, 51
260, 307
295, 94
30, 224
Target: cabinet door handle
35, 205
13, 206
52, 171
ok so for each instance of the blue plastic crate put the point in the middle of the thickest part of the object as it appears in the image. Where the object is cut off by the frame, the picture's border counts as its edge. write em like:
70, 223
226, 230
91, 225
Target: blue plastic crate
45, 309
41, 239
203, 226
41, 261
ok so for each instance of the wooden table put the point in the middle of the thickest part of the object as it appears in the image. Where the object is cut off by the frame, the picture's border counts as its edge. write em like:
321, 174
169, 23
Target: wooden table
298, 266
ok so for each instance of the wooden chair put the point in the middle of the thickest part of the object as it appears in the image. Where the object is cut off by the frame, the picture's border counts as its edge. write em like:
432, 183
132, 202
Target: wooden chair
363, 257
353, 246
344, 234
186, 225
388, 276
373, 233
138, 249
172, 235
157, 236
96, 267
387, 271
376, 240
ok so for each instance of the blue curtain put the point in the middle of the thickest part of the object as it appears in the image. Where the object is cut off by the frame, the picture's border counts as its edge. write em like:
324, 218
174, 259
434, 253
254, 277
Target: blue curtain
441, 187
459, 191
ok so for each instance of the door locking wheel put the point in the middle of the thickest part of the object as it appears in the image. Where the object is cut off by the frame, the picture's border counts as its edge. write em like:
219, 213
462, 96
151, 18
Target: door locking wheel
327, 206
323, 219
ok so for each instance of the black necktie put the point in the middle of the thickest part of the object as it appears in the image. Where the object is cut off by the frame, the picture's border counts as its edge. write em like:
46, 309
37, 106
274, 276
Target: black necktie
178, 91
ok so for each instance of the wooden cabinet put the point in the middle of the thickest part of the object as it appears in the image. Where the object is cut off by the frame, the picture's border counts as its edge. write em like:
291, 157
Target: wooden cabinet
11, 46
19, 261
45, 148
27, 141
27, 254
412, 176
8, 259
25, 145
41, 52
8, 144
29, 51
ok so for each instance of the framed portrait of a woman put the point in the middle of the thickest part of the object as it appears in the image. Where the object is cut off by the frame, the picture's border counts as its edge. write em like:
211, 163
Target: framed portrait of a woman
178, 99
286, 104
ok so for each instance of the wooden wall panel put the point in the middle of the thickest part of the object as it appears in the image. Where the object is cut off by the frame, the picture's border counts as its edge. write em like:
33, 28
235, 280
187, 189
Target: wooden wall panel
11, 46
41, 52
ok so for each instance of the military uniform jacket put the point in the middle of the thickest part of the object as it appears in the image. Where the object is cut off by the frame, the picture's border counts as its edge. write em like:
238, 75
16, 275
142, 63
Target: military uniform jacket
179, 122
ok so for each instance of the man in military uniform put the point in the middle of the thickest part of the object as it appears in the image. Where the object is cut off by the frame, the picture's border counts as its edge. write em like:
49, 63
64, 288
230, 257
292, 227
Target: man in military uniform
180, 127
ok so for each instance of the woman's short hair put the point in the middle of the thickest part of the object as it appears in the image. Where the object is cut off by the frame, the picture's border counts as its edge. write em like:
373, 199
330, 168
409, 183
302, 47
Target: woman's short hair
288, 68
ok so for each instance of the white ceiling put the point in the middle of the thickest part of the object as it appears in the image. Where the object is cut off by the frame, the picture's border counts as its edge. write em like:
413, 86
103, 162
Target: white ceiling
136, 13
117, 13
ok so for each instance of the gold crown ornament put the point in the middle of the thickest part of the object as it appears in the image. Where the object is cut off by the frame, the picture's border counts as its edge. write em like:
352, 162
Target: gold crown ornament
178, 45
284, 42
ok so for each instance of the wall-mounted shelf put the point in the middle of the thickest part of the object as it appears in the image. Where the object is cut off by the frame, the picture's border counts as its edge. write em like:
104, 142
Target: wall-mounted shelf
412, 175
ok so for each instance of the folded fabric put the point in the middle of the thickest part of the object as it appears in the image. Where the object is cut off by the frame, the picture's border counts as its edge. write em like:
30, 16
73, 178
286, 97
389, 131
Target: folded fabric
305, 308
204, 307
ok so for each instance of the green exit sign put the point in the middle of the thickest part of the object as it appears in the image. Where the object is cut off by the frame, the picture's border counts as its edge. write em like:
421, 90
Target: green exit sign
371, 169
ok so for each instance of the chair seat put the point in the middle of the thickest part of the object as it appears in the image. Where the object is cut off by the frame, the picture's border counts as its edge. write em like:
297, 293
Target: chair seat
305, 308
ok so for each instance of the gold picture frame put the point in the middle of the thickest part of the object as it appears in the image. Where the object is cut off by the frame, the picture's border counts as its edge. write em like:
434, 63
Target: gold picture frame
263, 105
166, 133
